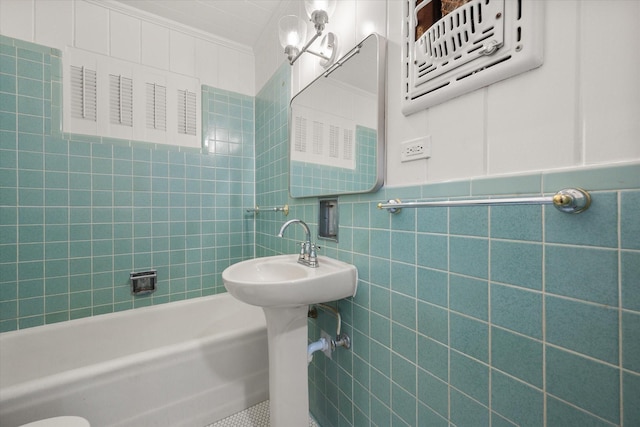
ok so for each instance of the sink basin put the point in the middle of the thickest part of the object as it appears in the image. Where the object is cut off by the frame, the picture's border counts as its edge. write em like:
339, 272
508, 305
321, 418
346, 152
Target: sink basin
284, 289
279, 281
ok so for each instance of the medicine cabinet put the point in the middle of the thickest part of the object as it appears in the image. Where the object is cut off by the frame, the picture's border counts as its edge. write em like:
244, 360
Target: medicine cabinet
337, 126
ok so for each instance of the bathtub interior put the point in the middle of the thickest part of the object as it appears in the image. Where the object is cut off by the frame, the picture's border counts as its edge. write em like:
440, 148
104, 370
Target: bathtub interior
204, 360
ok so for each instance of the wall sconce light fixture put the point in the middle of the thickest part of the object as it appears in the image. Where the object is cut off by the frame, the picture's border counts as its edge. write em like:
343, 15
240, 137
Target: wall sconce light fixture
293, 32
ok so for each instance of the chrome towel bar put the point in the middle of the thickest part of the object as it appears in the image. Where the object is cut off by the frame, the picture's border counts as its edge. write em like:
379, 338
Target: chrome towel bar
284, 209
569, 200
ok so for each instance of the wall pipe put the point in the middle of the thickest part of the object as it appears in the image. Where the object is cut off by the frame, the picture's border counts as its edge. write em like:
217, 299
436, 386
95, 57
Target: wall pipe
336, 313
323, 344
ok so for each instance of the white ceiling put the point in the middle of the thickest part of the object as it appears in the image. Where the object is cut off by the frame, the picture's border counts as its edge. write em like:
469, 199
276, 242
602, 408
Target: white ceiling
241, 21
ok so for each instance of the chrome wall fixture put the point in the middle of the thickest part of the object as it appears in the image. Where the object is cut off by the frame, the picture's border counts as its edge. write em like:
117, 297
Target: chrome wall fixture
143, 282
284, 209
292, 31
326, 344
569, 200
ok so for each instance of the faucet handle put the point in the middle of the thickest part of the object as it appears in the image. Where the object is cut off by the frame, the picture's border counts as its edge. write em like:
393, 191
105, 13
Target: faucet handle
303, 250
313, 255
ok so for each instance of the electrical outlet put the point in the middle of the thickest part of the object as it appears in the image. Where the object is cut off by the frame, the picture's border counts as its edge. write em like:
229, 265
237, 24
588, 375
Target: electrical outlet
415, 149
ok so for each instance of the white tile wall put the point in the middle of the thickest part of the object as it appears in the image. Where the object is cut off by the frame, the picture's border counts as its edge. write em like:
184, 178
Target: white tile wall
344, 23
207, 62
236, 71
413, 126
610, 73
54, 23
182, 53
155, 46
371, 17
116, 31
16, 19
269, 55
91, 27
457, 137
124, 34
579, 108
531, 118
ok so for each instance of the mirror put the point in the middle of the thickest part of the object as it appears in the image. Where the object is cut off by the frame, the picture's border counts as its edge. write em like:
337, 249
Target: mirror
336, 126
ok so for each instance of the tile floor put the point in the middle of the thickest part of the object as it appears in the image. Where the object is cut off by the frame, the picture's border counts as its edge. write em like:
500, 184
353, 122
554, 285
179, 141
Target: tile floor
255, 416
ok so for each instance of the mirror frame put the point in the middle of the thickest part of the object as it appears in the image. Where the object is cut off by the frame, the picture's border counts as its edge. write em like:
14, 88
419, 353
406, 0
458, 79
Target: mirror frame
381, 70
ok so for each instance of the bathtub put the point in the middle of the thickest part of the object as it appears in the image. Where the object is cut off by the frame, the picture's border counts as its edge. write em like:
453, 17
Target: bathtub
187, 363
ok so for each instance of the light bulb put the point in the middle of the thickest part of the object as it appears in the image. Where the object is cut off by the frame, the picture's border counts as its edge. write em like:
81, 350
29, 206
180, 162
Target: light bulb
292, 31
328, 6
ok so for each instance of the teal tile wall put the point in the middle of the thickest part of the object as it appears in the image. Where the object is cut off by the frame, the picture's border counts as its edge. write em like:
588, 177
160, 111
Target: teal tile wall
79, 213
491, 316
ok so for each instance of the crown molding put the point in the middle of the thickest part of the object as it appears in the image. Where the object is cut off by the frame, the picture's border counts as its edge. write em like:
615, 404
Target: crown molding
170, 24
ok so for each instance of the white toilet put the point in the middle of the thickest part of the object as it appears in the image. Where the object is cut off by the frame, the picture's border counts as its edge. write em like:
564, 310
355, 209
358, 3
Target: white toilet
59, 422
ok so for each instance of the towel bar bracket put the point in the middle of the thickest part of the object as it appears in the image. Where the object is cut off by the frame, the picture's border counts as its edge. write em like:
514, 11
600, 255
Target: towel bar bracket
572, 200
256, 210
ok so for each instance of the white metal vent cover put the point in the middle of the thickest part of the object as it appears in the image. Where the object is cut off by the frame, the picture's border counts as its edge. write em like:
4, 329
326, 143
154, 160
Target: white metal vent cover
479, 43
187, 112
84, 93
156, 106
120, 100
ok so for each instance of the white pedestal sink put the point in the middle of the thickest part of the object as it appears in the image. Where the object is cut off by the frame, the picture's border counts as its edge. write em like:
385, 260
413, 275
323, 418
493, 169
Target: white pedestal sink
284, 289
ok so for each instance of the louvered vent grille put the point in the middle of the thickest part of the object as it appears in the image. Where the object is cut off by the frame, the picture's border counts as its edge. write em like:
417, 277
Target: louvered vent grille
334, 141
300, 144
108, 97
475, 45
322, 139
318, 137
120, 100
456, 39
84, 93
186, 112
348, 144
156, 107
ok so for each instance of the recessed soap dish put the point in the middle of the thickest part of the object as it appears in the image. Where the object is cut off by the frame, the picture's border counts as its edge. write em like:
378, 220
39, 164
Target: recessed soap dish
328, 220
143, 282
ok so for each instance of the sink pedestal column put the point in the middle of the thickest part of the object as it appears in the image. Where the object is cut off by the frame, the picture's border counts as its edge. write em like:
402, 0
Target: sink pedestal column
288, 375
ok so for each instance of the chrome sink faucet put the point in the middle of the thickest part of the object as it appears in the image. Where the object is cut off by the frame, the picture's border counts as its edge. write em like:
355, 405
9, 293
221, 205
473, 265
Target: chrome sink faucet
308, 251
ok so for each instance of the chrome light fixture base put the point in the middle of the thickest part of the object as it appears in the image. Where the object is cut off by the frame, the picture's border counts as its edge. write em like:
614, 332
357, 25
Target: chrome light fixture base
329, 50
291, 52
292, 33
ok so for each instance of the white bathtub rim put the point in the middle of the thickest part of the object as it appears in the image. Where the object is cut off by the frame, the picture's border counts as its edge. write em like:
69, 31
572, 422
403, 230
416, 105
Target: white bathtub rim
16, 391
232, 382
9, 381
122, 313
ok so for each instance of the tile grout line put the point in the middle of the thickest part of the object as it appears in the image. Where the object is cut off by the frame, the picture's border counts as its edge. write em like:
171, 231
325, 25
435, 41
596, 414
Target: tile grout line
544, 318
620, 312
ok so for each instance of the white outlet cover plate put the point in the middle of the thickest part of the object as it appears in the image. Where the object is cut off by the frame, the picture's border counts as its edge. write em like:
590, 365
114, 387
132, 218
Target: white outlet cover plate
415, 149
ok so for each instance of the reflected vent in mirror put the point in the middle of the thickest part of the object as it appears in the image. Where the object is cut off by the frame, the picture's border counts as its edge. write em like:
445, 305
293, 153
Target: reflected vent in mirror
348, 144
318, 137
300, 143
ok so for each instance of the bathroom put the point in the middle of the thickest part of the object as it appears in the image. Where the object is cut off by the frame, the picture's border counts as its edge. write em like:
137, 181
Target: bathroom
495, 316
